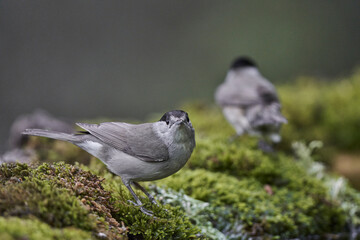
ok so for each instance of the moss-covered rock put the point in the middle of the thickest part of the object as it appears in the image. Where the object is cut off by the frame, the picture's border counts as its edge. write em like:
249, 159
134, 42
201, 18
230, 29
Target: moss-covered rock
228, 190
63, 195
272, 195
326, 111
13, 228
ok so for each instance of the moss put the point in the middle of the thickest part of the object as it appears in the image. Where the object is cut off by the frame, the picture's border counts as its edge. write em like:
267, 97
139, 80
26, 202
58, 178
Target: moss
60, 194
171, 222
228, 190
63, 195
328, 112
13, 228
271, 195
49, 150
300, 209
54, 206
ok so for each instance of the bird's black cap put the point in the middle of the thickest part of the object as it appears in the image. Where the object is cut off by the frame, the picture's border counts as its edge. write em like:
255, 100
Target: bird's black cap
176, 113
242, 62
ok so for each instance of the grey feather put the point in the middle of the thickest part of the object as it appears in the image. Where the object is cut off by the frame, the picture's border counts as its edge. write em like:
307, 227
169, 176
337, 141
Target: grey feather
244, 88
51, 134
261, 115
125, 137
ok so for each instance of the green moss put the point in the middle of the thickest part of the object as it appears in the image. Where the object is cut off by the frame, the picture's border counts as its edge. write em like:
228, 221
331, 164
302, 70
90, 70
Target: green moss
171, 222
228, 190
328, 112
49, 150
52, 205
13, 228
63, 195
271, 195
300, 209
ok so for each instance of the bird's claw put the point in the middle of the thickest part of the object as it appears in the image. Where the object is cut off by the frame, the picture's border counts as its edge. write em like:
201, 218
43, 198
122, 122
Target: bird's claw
147, 212
154, 202
142, 208
265, 147
233, 138
135, 204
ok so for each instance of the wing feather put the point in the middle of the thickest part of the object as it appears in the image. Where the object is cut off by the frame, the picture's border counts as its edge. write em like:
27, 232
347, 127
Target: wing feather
138, 140
244, 90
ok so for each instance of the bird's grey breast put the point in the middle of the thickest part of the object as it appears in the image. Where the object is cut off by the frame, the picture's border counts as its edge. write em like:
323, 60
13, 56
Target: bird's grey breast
180, 142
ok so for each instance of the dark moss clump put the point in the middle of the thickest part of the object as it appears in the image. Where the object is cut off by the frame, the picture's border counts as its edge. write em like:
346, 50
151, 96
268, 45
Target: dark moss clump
63, 196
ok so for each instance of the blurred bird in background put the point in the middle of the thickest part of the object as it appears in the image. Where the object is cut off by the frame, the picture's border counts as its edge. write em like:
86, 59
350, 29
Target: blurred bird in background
250, 103
37, 119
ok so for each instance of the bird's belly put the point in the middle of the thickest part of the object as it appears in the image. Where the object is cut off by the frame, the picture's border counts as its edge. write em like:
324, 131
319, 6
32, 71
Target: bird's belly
131, 168
236, 117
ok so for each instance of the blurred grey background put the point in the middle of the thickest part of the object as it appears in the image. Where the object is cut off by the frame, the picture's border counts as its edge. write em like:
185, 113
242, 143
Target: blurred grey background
126, 59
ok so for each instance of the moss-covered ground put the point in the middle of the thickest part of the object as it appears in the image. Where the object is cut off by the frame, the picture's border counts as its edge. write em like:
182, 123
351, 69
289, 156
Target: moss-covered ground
323, 110
228, 190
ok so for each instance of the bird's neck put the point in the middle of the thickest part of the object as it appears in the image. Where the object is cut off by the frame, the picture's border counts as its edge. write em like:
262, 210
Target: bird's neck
182, 134
248, 71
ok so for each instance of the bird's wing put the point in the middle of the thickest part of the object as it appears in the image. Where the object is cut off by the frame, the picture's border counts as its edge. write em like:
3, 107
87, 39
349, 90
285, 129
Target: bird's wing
245, 91
265, 115
139, 140
227, 95
267, 94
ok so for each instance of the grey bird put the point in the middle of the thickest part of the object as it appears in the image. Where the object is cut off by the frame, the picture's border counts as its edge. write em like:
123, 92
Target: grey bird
135, 152
250, 103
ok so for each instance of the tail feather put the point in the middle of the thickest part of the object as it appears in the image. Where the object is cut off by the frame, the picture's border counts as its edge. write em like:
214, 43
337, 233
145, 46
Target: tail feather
261, 115
51, 134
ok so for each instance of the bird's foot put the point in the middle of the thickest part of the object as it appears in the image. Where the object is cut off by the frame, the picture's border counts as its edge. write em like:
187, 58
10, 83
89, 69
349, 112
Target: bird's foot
147, 212
233, 138
142, 208
265, 147
135, 204
153, 201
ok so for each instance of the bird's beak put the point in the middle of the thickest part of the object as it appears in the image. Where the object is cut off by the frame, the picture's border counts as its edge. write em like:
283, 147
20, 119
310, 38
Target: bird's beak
180, 122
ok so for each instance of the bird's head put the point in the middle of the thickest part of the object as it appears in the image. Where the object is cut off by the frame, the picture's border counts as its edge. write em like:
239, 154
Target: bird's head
177, 119
242, 62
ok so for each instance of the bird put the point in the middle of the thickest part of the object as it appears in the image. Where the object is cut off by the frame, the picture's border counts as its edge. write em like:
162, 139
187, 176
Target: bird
250, 103
135, 152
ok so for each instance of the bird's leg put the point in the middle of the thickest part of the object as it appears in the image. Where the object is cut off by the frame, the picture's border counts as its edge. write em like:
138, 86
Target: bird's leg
265, 147
138, 202
233, 138
152, 199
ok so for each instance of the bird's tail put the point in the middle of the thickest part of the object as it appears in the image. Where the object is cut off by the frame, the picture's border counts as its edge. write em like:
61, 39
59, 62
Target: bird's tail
51, 134
279, 118
266, 115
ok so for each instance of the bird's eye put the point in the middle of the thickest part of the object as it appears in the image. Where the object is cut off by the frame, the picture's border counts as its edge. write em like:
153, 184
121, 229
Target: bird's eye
167, 122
